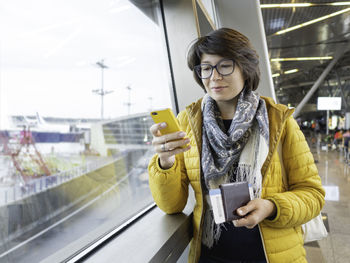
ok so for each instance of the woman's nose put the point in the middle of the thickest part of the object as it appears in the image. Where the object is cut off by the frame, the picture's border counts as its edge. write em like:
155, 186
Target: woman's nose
215, 75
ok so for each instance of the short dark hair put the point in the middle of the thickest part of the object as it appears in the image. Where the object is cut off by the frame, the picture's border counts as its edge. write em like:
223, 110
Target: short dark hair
227, 43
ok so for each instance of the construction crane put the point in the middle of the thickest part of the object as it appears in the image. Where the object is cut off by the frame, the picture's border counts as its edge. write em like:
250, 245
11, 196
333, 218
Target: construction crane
20, 150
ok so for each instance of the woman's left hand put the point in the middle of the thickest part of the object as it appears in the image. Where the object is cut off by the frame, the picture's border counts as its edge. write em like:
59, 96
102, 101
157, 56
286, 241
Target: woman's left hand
254, 212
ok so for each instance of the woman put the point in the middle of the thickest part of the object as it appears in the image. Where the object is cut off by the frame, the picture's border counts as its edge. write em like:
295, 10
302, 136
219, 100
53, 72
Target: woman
233, 134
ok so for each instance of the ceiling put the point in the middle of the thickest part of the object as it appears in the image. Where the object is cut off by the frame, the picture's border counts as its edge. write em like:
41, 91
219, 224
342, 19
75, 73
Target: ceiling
319, 39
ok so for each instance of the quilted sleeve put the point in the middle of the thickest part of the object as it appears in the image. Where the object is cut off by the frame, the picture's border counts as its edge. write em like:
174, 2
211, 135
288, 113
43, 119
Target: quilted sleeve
305, 196
169, 187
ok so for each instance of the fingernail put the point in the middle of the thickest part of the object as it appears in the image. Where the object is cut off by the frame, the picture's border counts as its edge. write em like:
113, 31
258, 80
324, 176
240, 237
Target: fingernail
163, 124
182, 134
234, 222
239, 211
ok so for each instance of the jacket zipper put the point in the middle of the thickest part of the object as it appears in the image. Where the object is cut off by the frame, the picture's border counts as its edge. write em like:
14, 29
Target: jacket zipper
198, 242
262, 241
261, 235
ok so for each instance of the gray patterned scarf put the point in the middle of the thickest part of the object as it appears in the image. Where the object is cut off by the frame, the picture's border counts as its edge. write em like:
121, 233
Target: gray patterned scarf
235, 155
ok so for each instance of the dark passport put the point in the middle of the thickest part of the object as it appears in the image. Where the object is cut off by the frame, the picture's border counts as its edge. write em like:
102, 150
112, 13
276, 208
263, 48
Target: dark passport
234, 195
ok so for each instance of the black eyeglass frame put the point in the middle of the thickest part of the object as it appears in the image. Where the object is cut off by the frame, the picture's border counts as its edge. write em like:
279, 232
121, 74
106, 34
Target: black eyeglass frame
197, 68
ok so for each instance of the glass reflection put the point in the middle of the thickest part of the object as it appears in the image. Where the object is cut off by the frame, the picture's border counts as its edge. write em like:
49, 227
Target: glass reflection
78, 81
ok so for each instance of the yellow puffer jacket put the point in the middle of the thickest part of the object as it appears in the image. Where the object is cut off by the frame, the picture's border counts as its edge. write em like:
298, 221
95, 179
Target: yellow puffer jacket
282, 236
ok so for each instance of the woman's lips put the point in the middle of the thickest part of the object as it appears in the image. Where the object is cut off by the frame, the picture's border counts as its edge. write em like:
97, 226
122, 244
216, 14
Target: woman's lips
217, 89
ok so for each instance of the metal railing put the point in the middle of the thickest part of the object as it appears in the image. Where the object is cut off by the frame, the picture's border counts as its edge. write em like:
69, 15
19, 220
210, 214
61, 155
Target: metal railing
18, 192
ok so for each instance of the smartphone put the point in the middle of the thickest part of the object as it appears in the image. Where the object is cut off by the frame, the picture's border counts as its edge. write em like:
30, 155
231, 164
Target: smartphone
167, 116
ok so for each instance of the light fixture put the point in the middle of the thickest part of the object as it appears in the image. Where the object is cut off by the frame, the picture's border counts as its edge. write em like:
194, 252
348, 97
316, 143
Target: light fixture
285, 72
312, 21
285, 5
291, 71
289, 5
340, 3
300, 59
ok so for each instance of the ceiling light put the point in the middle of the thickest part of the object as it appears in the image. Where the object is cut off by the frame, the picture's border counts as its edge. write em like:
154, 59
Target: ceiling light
312, 21
300, 59
286, 5
291, 71
275, 75
340, 3
289, 5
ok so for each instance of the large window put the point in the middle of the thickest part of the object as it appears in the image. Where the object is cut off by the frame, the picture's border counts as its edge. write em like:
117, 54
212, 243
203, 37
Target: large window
77, 81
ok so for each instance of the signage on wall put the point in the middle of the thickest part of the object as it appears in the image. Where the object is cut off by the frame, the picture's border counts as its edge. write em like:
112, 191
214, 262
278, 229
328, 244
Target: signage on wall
329, 103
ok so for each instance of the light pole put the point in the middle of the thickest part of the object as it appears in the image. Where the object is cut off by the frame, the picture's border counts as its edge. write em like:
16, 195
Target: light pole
128, 104
101, 91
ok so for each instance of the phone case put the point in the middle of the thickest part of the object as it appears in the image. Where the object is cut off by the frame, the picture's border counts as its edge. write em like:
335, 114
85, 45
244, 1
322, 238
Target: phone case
167, 116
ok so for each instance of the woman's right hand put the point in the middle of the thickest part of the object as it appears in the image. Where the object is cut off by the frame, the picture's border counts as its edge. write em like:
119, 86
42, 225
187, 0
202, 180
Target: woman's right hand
168, 145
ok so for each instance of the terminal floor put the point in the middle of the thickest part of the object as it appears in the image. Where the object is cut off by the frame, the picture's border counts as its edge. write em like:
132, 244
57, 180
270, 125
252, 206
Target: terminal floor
335, 175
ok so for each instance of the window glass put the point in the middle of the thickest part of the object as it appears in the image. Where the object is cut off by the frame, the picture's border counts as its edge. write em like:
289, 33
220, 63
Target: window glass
77, 82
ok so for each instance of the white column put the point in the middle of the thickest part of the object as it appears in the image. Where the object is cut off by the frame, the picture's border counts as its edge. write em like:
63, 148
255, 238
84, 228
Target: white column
245, 17
180, 32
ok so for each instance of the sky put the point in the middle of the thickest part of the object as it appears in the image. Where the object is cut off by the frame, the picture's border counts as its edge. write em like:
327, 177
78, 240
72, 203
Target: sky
48, 55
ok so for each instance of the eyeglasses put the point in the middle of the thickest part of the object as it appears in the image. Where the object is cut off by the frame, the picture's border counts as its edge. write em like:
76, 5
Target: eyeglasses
223, 67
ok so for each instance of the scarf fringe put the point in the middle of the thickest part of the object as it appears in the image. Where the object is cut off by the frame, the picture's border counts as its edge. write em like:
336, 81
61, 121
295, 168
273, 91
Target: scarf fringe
211, 231
247, 173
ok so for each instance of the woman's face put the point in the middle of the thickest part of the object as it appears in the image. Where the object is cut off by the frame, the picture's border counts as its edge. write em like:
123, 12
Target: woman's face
222, 88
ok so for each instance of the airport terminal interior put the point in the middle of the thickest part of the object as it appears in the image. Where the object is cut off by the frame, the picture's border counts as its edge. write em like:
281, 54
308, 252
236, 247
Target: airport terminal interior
78, 81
